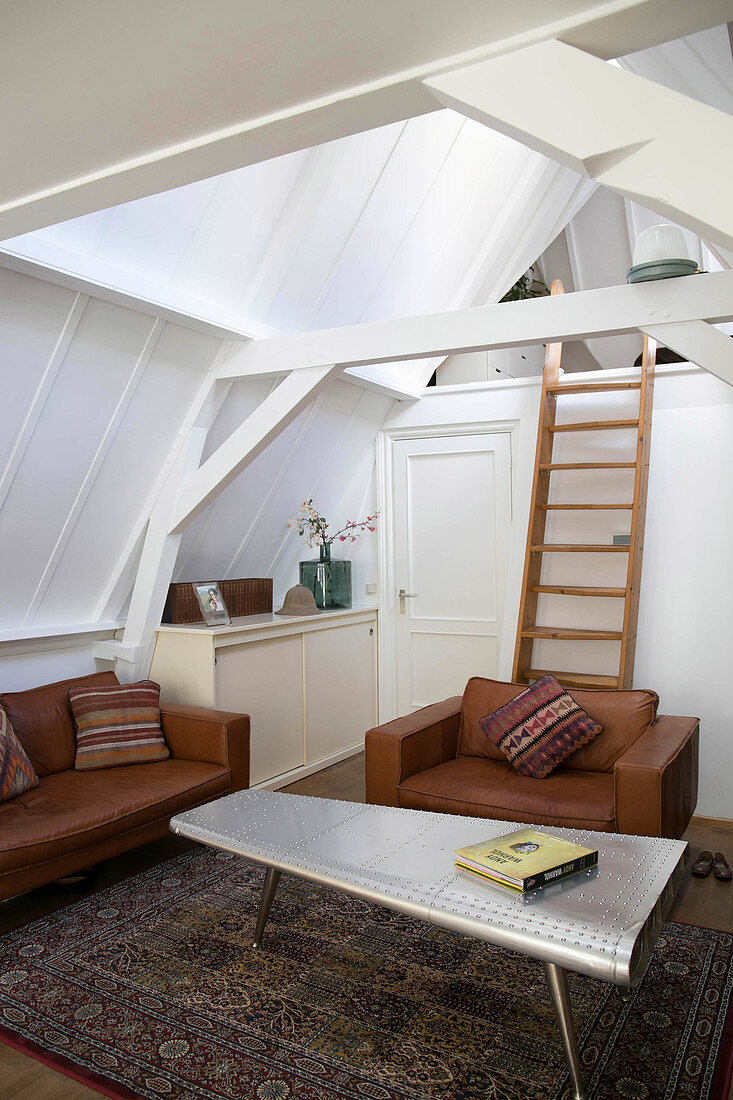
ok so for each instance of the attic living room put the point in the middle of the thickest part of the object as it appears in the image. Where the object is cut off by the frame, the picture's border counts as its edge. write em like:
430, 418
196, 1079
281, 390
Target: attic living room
366, 604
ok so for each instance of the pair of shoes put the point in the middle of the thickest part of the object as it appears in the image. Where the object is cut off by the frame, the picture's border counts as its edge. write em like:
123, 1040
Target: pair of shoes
718, 864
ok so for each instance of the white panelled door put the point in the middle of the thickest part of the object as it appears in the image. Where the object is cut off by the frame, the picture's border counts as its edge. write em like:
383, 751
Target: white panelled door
452, 512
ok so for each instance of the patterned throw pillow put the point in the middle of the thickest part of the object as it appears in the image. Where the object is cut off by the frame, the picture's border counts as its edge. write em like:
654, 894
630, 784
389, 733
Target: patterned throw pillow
16, 770
119, 724
538, 729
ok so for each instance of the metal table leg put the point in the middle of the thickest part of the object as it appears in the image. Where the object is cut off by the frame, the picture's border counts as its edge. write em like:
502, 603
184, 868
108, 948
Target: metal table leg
272, 877
557, 979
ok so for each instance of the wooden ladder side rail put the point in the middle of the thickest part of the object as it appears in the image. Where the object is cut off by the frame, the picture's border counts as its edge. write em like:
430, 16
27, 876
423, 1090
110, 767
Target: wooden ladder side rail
638, 516
538, 514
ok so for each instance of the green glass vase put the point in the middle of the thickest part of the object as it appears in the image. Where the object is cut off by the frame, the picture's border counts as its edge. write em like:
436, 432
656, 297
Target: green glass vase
329, 581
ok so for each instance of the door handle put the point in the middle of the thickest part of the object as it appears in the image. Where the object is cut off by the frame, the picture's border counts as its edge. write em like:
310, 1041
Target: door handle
405, 596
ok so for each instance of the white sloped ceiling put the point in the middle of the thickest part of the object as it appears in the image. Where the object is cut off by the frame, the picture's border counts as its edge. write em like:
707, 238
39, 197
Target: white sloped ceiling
415, 217
92, 396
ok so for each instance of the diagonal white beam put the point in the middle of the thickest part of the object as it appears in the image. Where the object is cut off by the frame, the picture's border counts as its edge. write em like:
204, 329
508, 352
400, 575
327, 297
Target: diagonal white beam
587, 313
66, 160
699, 343
636, 137
248, 441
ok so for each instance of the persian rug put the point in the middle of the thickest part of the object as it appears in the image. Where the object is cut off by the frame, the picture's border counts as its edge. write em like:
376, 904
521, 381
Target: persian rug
151, 989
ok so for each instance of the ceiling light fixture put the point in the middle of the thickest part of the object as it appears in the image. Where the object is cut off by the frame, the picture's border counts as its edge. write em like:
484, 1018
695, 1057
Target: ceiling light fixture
660, 253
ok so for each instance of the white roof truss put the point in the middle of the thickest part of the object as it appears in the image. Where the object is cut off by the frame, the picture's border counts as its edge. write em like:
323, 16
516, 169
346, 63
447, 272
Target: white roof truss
83, 153
578, 316
631, 135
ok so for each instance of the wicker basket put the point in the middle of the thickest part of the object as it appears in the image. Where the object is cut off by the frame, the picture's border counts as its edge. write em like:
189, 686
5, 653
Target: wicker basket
246, 596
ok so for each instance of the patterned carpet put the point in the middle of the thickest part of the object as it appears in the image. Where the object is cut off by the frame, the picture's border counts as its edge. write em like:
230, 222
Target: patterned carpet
151, 989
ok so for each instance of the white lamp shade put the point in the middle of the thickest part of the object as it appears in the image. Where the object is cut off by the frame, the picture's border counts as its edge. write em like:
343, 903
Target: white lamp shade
660, 242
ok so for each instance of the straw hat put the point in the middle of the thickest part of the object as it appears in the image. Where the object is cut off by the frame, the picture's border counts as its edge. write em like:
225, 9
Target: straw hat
299, 600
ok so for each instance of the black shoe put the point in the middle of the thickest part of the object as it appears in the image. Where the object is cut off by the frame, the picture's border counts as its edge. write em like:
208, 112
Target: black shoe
703, 865
721, 869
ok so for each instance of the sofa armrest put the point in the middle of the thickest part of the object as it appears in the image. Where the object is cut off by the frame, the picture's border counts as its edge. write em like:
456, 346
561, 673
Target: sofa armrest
655, 781
409, 745
213, 736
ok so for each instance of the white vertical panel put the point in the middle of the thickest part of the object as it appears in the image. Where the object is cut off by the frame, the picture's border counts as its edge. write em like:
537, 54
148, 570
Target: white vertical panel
340, 688
78, 407
265, 680
32, 317
37, 403
402, 187
140, 447
92, 473
317, 242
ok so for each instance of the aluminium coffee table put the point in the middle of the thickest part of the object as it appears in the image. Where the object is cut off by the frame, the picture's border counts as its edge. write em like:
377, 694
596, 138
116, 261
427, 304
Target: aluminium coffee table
603, 922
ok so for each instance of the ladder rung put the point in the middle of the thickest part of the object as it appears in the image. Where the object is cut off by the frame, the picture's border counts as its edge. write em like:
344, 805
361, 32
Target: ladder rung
566, 633
582, 507
578, 590
587, 466
578, 548
572, 679
593, 387
595, 426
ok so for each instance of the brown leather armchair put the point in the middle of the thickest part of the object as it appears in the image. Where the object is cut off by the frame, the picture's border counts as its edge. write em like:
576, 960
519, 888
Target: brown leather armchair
639, 776
73, 819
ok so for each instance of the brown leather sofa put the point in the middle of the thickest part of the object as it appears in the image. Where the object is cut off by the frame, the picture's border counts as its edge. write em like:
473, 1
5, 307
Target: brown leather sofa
639, 776
74, 819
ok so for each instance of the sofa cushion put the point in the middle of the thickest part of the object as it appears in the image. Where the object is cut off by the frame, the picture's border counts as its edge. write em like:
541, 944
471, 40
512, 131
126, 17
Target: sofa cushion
624, 716
72, 810
43, 722
478, 787
540, 728
117, 724
16, 773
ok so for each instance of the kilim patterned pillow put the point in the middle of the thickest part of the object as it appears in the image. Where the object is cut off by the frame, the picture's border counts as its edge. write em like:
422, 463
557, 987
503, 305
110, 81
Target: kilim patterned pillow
119, 724
16, 770
540, 728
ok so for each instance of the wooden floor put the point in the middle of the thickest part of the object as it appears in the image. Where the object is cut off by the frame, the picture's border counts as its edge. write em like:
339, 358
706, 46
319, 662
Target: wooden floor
705, 902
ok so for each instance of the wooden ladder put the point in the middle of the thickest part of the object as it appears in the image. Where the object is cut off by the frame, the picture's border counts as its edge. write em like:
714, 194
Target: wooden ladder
528, 629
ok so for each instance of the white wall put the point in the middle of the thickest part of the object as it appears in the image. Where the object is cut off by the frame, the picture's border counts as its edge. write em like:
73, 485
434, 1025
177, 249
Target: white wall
93, 395
30, 662
326, 454
685, 634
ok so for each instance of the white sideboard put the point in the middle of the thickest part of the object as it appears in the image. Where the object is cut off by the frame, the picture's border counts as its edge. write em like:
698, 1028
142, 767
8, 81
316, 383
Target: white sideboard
309, 683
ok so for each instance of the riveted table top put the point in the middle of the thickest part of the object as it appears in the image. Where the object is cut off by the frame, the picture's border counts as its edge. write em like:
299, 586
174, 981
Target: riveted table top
602, 922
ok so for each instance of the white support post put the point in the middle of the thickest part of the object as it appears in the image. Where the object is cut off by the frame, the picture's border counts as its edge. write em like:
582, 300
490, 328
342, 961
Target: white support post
699, 343
248, 441
620, 129
155, 570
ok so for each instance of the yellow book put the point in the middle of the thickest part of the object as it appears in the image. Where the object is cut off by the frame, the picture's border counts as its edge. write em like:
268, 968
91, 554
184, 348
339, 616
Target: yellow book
526, 859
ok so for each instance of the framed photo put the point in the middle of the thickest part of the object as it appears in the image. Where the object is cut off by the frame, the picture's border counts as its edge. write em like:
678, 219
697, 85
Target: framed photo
212, 603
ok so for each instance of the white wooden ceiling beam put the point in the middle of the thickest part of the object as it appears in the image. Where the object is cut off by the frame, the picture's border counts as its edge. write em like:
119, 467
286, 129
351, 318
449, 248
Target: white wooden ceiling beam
578, 316
274, 106
645, 141
699, 343
248, 441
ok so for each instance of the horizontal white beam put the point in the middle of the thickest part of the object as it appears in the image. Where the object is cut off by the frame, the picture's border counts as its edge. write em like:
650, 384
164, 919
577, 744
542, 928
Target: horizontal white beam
699, 343
638, 138
274, 106
112, 650
59, 630
578, 316
249, 440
